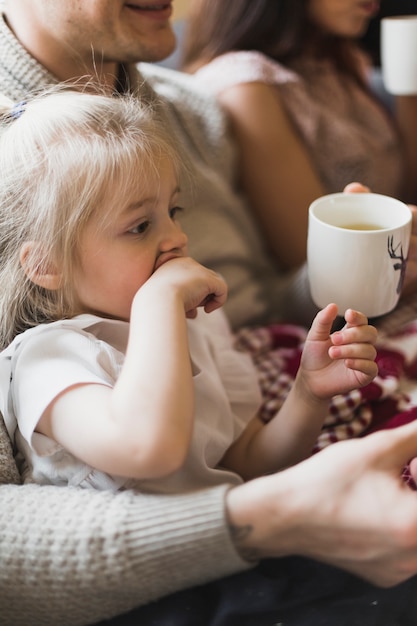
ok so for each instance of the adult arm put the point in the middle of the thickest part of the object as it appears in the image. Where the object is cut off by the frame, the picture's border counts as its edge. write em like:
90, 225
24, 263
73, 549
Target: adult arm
276, 170
70, 556
406, 114
347, 506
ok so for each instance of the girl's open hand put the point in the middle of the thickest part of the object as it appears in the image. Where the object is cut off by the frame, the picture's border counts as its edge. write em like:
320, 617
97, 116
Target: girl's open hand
338, 362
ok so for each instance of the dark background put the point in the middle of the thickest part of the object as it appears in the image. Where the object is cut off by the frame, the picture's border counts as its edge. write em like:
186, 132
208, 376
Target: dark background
370, 41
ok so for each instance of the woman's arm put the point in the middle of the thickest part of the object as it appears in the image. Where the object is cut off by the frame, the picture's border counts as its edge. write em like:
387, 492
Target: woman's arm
277, 173
406, 114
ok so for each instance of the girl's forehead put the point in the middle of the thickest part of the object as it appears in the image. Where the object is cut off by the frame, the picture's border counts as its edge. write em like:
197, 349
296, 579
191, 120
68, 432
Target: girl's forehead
142, 184
151, 168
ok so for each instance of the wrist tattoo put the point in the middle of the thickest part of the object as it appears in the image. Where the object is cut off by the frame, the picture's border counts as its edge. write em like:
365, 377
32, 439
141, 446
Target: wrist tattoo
239, 535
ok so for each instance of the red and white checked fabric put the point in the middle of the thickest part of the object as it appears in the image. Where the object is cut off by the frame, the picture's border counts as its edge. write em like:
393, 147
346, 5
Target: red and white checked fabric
384, 403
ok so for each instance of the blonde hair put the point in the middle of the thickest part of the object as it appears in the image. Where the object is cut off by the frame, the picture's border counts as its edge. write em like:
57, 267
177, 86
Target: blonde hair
63, 155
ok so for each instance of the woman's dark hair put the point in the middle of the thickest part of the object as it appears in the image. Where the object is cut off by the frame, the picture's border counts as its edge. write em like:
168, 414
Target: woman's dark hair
280, 29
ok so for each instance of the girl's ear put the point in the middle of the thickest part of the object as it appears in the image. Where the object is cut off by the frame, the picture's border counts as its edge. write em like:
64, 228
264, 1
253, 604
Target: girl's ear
40, 270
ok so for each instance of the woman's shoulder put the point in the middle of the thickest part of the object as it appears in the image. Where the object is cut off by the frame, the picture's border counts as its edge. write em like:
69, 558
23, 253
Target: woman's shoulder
243, 66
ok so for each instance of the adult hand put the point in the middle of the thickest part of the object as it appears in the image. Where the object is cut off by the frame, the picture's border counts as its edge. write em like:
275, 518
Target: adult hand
356, 188
410, 281
347, 506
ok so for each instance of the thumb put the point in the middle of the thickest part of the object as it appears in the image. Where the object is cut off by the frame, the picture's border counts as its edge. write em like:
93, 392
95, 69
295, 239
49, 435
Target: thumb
322, 324
401, 445
413, 469
356, 188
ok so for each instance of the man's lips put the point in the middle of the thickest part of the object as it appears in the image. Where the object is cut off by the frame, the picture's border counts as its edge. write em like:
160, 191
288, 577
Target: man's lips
156, 11
151, 7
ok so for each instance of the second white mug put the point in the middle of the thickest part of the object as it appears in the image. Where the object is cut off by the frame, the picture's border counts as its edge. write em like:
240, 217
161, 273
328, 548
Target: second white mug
399, 54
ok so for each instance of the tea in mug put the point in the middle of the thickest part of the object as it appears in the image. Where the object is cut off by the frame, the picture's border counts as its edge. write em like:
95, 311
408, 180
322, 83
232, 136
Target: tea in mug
362, 226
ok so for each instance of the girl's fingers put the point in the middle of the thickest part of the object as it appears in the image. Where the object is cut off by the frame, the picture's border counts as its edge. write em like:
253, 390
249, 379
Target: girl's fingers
353, 351
356, 330
354, 335
365, 366
355, 318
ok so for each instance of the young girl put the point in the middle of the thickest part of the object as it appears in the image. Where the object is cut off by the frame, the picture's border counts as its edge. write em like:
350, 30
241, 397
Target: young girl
120, 370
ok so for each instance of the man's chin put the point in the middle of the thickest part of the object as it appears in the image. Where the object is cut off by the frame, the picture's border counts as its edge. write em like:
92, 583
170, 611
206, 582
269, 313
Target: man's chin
159, 50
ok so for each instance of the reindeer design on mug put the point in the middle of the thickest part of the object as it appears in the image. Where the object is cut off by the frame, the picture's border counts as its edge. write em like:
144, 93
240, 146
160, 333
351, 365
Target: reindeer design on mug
401, 265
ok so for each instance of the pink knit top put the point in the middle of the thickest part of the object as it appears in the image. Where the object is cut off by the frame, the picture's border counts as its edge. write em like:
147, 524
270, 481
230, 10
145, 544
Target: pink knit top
348, 133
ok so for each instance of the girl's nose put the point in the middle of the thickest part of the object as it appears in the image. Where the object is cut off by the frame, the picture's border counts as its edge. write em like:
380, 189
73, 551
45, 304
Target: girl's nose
175, 238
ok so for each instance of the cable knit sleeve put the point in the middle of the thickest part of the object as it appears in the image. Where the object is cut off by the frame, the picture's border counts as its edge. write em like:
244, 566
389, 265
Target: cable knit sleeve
74, 556
70, 556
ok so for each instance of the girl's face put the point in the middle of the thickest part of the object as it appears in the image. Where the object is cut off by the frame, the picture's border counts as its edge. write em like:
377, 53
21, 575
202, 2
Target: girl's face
119, 251
343, 18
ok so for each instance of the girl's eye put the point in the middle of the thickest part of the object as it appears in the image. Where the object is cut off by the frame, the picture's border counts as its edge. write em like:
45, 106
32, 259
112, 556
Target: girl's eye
174, 211
139, 229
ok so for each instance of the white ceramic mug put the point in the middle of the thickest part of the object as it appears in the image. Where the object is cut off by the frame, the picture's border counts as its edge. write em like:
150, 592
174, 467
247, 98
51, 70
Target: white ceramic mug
399, 54
357, 251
